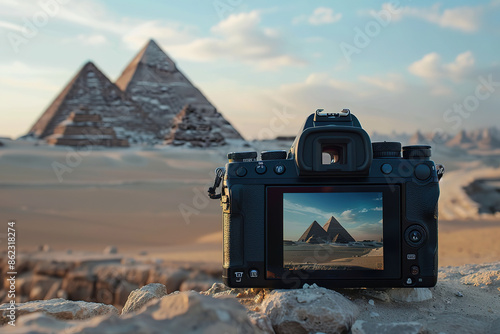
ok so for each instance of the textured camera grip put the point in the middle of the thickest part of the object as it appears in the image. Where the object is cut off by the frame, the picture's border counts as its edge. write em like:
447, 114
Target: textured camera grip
233, 240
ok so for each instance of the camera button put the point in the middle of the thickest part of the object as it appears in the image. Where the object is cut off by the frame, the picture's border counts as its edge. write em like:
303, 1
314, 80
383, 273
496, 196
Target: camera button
242, 171
260, 169
386, 168
409, 281
411, 256
279, 169
414, 270
415, 236
422, 172
238, 275
254, 273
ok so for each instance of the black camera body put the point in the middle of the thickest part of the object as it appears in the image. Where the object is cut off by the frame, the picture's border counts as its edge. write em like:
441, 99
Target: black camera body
336, 210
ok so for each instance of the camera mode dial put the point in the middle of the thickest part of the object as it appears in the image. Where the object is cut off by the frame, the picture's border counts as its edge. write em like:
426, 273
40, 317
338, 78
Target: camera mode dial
242, 156
273, 155
386, 149
421, 152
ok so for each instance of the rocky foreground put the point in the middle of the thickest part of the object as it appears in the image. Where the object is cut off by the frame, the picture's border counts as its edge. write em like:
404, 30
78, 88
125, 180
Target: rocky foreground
466, 300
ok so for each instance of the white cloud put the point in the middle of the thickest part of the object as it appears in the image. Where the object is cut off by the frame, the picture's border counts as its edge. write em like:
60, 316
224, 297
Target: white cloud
432, 67
390, 83
94, 39
240, 38
466, 18
19, 75
320, 16
347, 215
163, 32
308, 210
12, 26
324, 15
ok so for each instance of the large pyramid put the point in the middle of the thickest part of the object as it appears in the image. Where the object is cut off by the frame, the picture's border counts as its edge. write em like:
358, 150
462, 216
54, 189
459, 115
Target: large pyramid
314, 234
152, 80
91, 89
336, 232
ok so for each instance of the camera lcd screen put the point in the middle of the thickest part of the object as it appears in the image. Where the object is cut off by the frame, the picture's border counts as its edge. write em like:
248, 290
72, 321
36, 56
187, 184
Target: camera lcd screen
333, 231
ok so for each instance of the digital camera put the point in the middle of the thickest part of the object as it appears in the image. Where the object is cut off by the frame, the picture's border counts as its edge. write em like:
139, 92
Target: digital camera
336, 210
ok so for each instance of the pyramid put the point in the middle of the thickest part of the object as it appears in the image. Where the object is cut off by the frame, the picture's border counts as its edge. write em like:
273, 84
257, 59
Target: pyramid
461, 139
93, 90
488, 139
200, 127
153, 80
314, 234
337, 232
82, 128
418, 138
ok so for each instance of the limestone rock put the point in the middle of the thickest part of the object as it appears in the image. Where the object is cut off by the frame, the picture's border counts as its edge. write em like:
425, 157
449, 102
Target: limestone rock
79, 285
261, 321
110, 250
123, 291
309, 311
367, 327
410, 295
185, 312
60, 309
170, 277
188, 312
41, 285
138, 274
138, 298
482, 278
52, 268
198, 281
53, 291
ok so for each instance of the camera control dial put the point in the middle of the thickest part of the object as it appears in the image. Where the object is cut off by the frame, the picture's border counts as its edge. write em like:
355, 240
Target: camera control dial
386, 149
421, 152
273, 155
242, 156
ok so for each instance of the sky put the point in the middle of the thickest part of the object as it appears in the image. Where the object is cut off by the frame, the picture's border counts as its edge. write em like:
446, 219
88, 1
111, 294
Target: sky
359, 213
266, 66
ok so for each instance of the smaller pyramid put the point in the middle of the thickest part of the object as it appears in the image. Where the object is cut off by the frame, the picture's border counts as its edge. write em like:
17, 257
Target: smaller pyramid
461, 139
337, 231
82, 128
197, 126
489, 139
418, 138
92, 89
314, 234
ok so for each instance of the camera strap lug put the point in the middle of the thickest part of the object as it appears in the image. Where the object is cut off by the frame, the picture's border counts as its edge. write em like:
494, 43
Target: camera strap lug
219, 175
440, 171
